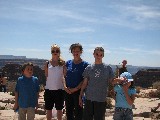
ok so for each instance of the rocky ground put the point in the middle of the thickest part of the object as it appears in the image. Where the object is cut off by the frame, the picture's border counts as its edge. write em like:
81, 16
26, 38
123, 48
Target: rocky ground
142, 108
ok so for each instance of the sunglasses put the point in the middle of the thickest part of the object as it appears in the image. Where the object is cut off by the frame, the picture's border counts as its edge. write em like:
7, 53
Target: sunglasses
55, 51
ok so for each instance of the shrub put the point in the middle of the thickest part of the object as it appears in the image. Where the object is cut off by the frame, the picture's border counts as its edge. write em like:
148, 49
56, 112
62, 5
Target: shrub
2, 108
108, 103
41, 88
12, 93
138, 89
154, 94
156, 85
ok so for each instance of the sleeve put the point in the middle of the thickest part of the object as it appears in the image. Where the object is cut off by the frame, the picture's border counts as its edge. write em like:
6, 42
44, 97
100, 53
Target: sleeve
86, 72
133, 91
67, 62
111, 74
86, 64
17, 85
38, 86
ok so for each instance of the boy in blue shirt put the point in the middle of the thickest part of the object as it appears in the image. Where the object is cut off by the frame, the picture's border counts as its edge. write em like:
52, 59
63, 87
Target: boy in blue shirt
26, 93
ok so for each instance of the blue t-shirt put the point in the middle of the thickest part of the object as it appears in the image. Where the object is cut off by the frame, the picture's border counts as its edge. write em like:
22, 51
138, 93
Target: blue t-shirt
120, 96
27, 89
74, 73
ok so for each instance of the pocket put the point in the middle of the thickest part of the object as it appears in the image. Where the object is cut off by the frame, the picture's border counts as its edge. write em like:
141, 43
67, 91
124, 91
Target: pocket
117, 115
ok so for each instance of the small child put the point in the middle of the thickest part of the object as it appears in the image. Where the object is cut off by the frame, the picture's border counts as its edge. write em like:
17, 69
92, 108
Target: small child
124, 97
26, 93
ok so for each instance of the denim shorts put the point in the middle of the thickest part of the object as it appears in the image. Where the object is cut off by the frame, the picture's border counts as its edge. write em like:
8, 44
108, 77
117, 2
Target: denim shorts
123, 114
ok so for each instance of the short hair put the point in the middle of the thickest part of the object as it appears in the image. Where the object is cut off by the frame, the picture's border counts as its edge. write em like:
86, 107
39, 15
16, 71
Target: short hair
124, 61
73, 46
99, 49
26, 64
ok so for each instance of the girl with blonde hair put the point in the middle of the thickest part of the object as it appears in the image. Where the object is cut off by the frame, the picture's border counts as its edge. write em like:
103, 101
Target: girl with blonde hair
54, 92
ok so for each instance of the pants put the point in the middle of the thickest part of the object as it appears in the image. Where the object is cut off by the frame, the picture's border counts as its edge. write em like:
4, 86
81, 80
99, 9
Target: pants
123, 114
73, 110
94, 110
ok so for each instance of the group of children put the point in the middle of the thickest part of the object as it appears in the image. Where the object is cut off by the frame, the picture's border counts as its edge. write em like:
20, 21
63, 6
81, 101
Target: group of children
70, 81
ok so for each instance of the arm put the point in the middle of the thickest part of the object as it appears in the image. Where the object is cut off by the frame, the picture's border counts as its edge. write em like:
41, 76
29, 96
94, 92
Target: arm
46, 68
37, 101
111, 89
130, 99
116, 81
64, 81
16, 101
76, 88
83, 87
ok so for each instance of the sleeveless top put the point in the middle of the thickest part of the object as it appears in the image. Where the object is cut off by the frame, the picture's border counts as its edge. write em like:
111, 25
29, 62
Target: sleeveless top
55, 76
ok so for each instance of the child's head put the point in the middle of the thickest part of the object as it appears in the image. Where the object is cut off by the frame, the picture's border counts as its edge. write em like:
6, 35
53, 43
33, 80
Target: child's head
55, 51
27, 69
76, 49
99, 52
74, 46
127, 77
124, 62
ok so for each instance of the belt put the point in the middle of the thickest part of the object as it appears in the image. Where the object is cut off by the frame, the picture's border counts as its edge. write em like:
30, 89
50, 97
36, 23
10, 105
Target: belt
122, 109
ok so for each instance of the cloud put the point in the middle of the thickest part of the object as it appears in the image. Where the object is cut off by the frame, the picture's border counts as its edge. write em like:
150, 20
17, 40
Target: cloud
153, 52
135, 51
26, 50
76, 30
124, 14
135, 16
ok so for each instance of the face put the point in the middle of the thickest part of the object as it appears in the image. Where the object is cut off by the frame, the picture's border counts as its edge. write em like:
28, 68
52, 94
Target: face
125, 81
55, 52
98, 55
76, 52
28, 71
124, 63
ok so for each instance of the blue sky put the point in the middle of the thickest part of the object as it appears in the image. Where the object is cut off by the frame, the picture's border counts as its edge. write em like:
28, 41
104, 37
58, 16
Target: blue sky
126, 29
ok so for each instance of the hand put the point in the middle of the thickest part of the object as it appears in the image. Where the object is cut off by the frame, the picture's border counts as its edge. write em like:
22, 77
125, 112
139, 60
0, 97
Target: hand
36, 108
15, 107
67, 90
80, 101
73, 90
125, 87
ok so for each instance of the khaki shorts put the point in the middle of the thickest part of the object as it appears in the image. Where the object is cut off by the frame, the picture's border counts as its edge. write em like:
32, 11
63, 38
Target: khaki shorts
29, 112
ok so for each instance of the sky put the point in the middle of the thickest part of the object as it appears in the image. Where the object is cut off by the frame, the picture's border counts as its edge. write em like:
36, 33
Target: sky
126, 29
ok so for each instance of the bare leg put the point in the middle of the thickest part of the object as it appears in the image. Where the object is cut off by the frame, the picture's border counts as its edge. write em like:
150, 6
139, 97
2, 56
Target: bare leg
49, 114
59, 114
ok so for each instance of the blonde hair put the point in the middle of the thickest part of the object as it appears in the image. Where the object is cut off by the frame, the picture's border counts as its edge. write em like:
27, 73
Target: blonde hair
55, 46
61, 61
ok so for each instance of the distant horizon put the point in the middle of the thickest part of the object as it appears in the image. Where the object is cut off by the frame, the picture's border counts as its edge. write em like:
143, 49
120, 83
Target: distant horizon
66, 60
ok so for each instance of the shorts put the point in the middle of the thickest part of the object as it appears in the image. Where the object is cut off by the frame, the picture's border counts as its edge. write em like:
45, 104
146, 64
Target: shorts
123, 114
26, 112
54, 98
